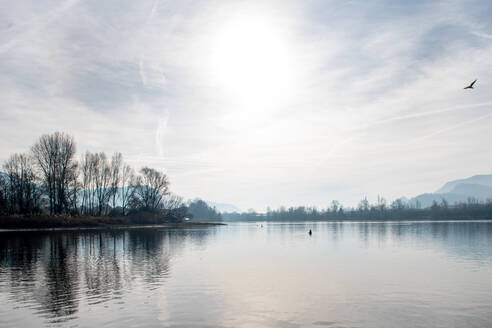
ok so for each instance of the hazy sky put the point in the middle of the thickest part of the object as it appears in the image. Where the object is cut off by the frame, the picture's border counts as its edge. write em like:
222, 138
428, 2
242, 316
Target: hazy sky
258, 103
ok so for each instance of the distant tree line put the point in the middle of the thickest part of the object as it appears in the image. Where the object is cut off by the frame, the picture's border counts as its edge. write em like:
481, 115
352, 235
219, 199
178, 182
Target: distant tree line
397, 210
50, 180
201, 211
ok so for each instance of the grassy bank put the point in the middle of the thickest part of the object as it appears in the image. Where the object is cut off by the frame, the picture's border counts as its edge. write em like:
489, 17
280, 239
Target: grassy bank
61, 221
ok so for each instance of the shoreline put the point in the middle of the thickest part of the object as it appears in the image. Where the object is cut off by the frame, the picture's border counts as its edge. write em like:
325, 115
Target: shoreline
58, 223
360, 220
50, 223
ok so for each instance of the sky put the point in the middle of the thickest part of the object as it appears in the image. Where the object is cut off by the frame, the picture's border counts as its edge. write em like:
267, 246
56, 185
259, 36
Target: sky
257, 103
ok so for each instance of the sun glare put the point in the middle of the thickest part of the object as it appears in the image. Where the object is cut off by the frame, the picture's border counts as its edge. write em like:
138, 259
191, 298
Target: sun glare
252, 64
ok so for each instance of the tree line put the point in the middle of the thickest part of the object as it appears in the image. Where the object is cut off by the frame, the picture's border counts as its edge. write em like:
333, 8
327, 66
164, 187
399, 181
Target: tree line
201, 211
50, 180
380, 210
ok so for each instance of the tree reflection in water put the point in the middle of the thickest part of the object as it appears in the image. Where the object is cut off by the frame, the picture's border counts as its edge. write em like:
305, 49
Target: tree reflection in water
226, 277
51, 272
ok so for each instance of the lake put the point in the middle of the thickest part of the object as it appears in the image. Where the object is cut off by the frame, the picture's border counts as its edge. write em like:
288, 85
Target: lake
347, 274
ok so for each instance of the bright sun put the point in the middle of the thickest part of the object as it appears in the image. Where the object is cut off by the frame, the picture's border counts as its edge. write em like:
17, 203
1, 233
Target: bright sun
252, 63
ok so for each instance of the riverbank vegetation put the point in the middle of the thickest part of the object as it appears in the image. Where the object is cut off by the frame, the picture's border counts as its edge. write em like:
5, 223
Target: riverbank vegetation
82, 222
49, 184
397, 210
49, 187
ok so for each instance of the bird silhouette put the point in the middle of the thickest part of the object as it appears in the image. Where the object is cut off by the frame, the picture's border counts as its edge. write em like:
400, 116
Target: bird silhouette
471, 85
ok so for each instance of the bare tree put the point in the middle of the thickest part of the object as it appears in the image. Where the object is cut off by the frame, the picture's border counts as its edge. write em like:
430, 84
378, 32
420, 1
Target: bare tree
86, 183
54, 156
363, 205
151, 187
335, 205
381, 204
128, 182
116, 163
4, 190
21, 192
174, 207
172, 201
74, 186
102, 180
87, 187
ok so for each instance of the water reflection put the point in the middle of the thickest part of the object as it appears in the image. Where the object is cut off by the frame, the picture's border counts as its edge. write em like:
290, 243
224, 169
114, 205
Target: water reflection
347, 274
47, 271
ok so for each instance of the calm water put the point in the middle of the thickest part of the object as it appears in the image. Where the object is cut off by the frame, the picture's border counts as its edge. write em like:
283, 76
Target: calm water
244, 275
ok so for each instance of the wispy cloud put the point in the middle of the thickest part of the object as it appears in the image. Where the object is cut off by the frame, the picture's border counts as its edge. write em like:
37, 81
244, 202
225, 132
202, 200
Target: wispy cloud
28, 30
376, 101
451, 128
425, 113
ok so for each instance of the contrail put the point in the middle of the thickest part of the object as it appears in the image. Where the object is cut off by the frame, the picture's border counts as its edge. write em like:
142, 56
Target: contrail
336, 147
162, 125
422, 114
141, 68
159, 135
450, 128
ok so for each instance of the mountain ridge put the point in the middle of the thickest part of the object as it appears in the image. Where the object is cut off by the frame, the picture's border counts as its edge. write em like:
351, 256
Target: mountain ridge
477, 187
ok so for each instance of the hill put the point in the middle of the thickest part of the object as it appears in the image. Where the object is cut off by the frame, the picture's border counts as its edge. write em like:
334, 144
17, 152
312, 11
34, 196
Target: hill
477, 187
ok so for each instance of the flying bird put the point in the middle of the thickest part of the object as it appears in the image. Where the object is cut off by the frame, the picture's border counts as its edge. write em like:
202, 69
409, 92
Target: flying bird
471, 85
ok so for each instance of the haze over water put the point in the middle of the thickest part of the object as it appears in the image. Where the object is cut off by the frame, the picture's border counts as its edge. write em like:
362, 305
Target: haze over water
351, 274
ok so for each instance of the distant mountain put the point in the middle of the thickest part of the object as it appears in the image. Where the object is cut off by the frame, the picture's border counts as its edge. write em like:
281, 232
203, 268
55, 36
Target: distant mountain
426, 200
482, 179
477, 186
474, 190
223, 207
